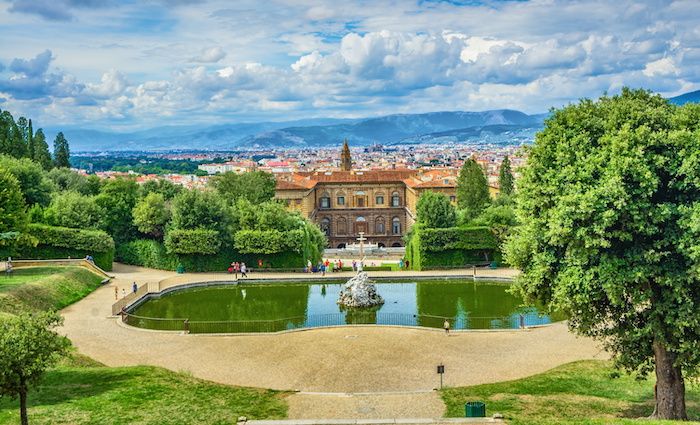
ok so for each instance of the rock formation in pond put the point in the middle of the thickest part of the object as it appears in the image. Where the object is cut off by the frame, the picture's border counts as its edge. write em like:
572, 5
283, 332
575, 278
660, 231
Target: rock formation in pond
359, 292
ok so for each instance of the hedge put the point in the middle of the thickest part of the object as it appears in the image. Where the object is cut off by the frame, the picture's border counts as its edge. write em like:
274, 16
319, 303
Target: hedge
192, 241
451, 247
153, 254
63, 242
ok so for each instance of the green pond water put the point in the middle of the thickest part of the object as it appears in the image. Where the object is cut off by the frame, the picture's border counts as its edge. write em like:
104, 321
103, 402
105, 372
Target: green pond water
271, 307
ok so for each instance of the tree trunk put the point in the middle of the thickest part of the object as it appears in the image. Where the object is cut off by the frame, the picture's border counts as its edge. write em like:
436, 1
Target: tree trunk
23, 406
670, 388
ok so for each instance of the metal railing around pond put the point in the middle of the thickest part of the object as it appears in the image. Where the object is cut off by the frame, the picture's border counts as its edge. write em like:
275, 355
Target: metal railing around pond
514, 321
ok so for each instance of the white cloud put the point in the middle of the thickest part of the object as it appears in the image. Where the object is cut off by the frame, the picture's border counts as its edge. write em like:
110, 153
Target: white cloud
664, 66
210, 55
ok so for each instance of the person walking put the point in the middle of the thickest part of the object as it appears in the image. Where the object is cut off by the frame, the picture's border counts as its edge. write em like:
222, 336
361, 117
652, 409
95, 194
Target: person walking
134, 287
401, 263
446, 326
236, 269
244, 270
116, 292
323, 269
308, 266
354, 266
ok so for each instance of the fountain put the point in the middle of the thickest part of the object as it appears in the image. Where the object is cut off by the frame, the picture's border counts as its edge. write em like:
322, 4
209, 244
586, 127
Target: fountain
359, 292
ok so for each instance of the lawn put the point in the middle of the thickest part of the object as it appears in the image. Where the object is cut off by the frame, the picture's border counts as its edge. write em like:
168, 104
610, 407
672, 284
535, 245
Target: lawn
585, 392
25, 275
45, 288
84, 392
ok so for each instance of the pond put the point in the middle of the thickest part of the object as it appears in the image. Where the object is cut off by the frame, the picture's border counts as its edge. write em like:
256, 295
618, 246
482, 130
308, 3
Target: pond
272, 307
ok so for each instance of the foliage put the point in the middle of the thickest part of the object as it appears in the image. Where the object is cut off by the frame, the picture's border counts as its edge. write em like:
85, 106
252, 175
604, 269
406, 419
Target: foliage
610, 210
41, 151
500, 218
428, 248
118, 198
13, 217
67, 179
34, 183
192, 241
36, 289
71, 209
435, 210
88, 240
61, 152
589, 392
472, 188
254, 186
147, 253
194, 209
151, 214
145, 395
163, 187
457, 238
11, 139
506, 182
28, 346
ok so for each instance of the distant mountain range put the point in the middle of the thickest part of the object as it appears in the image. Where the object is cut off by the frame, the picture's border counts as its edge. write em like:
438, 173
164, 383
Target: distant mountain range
498, 126
502, 126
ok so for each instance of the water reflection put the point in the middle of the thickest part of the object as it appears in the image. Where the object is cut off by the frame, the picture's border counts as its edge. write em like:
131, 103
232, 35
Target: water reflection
465, 303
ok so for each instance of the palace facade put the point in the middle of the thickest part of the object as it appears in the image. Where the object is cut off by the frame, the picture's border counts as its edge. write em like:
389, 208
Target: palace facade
379, 203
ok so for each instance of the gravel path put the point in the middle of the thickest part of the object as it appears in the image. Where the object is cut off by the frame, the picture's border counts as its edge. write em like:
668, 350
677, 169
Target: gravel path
344, 360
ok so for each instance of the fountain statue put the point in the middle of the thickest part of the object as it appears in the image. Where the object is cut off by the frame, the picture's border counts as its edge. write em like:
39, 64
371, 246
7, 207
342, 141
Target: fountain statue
359, 292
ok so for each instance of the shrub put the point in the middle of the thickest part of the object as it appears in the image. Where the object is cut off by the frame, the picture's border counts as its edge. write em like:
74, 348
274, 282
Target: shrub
195, 241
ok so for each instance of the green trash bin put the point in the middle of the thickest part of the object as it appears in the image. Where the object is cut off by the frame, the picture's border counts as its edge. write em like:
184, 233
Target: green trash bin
475, 409
180, 268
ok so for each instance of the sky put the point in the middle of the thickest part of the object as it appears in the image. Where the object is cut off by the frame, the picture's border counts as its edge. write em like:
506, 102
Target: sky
134, 64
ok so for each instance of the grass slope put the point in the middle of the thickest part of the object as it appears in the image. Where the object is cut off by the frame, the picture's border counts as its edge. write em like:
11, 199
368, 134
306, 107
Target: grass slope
45, 288
585, 392
84, 392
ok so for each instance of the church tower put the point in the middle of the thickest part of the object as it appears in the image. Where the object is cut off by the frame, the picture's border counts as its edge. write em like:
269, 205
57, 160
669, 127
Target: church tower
345, 159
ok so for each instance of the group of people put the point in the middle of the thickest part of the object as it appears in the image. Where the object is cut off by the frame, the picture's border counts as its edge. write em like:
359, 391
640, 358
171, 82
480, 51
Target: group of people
236, 268
324, 266
134, 288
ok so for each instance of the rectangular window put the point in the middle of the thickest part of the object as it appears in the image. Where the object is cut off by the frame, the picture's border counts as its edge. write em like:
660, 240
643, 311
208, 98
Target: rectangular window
341, 200
379, 200
360, 202
453, 198
325, 203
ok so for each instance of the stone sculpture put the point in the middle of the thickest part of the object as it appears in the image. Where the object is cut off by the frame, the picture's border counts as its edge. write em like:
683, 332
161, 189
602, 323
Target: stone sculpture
359, 292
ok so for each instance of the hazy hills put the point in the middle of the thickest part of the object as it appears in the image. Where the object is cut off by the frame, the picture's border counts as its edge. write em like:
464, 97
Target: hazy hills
497, 125
502, 126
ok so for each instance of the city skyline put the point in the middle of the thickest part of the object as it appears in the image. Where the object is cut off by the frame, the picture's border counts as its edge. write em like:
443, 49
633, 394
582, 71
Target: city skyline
133, 65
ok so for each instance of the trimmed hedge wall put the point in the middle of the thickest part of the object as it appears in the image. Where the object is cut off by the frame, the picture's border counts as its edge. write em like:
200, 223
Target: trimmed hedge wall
451, 247
152, 254
63, 242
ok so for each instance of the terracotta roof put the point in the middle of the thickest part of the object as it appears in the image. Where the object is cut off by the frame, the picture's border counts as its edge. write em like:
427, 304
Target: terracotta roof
371, 176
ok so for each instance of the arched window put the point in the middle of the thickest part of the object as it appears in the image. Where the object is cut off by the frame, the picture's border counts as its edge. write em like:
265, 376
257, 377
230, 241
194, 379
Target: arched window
326, 226
342, 226
325, 201
395, 199
379, 226
396, 226
360, 219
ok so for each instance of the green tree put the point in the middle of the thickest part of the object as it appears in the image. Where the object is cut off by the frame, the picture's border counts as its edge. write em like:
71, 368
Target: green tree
28, 346
255, 186
61, 151
13, 216
41, 150
71, 209
33, 180
67, 179
118, 198
31, 148
610, 209
435, 210
151, 214
195, 209
506, 183
164, 187
11, 140
472, 188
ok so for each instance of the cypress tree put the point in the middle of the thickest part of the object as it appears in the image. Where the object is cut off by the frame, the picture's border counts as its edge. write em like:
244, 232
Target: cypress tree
472, 188
61, 152
30, 141
505, 178
41, 150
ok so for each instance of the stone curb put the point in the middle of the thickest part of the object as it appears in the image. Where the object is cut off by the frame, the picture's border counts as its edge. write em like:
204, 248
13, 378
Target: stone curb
397, 421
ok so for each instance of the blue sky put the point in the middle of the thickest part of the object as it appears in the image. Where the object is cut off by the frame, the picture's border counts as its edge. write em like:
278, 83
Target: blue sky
128, 64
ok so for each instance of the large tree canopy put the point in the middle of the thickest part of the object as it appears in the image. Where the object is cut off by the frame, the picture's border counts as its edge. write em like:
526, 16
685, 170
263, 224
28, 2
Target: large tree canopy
610, 209
254, 186
472, 188
435, 210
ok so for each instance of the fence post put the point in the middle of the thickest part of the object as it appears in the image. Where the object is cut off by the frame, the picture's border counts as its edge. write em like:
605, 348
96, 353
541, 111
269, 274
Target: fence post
522, 322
